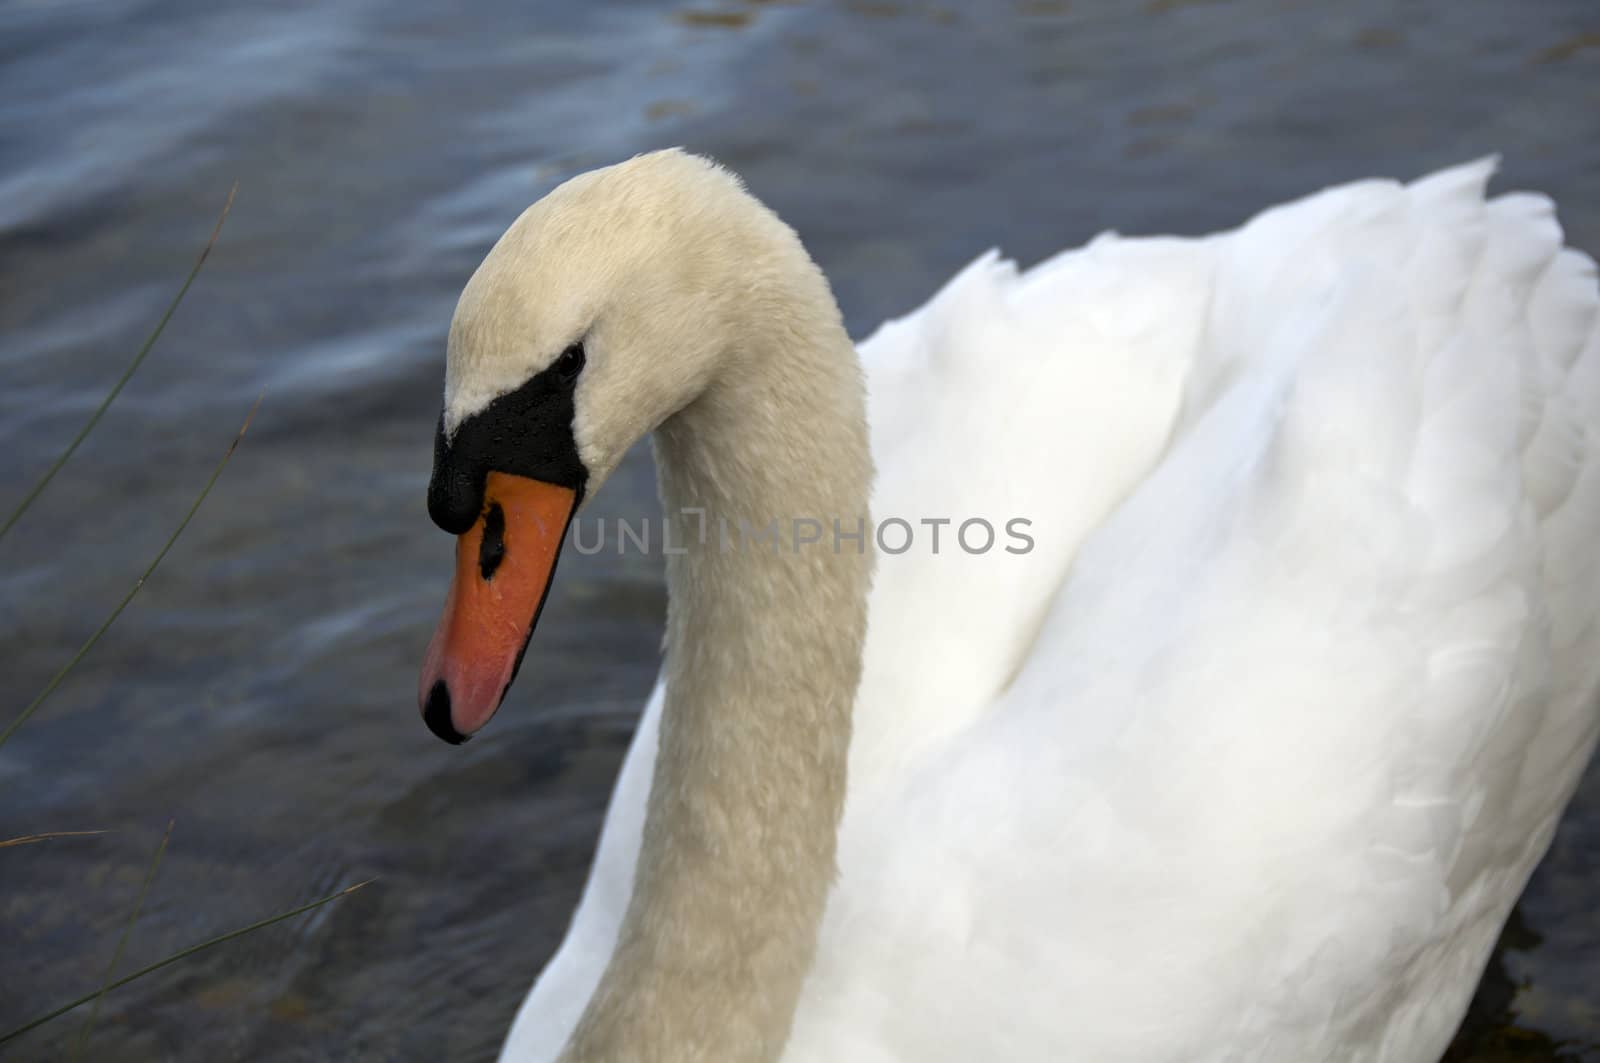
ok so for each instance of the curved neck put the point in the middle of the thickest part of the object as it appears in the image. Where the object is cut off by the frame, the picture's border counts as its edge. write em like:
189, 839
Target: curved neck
763, 661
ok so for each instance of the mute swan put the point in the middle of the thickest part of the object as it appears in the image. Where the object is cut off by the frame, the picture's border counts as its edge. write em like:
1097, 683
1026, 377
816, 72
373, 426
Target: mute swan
1247, 758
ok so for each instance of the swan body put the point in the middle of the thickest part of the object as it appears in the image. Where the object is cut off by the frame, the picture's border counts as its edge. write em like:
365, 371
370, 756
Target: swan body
1249, 757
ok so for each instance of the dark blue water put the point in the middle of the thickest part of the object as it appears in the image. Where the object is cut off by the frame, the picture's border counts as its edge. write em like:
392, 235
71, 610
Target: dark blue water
261, 689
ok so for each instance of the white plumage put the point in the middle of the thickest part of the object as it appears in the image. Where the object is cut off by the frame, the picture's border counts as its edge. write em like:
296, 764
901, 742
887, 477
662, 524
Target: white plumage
1251, 755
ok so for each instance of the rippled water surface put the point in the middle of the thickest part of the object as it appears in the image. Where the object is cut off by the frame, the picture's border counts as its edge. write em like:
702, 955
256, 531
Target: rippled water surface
260, 691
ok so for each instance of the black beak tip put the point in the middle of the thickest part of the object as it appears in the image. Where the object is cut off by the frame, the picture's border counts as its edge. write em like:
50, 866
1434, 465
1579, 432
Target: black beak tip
436, 714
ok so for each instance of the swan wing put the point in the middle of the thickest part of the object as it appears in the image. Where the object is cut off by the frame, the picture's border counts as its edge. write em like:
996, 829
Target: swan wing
1301, 716
1009, 415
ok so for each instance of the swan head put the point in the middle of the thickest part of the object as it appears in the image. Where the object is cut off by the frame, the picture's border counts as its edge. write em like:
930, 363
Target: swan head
608, 306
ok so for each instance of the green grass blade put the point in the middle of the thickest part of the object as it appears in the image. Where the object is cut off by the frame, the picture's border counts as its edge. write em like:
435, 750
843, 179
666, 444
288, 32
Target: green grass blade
122, 944
50, 687
127, 374
176, 956
44, 836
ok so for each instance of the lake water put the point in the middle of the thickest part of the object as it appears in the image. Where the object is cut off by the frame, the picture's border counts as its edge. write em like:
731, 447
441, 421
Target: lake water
261, 689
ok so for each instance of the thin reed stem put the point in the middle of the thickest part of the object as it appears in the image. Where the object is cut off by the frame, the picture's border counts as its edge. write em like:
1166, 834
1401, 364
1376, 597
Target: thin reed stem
127, 374
175, 957
122, 943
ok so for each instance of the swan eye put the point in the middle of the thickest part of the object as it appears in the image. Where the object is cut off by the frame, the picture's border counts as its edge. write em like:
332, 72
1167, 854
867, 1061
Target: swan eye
570, 364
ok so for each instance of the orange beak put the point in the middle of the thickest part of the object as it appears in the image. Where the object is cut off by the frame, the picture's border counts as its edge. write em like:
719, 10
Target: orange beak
504, 563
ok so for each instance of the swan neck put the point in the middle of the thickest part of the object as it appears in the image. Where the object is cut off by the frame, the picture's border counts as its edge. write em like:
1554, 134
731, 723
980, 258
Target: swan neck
763, 660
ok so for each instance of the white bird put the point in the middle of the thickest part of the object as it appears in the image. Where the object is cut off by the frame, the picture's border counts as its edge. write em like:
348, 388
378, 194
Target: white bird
1238, 742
